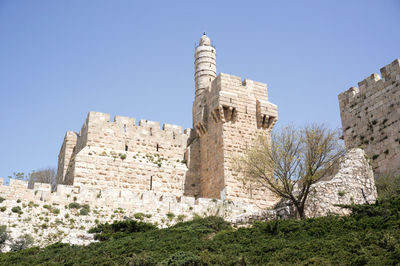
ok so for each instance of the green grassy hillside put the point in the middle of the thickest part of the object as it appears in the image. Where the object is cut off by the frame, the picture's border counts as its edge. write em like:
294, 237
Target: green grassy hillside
370, 236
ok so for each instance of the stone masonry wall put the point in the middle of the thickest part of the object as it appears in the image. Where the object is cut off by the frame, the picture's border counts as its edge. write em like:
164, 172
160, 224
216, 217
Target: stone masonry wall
106, 168
371, 118
121, 154
48, 218
233, 113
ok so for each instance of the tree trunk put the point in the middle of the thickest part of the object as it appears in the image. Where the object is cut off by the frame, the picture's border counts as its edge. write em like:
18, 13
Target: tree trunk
300, 211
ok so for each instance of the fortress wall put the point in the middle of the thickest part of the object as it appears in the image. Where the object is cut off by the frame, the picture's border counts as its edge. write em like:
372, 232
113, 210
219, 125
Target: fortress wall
158, 204
371, 118
147, 137
102, 168
120, 137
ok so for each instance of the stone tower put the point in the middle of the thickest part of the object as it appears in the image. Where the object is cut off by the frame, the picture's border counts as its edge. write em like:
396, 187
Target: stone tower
205, 71
227, 115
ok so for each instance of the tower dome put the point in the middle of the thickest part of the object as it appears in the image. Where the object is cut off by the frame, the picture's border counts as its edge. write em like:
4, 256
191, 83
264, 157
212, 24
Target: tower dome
204, 40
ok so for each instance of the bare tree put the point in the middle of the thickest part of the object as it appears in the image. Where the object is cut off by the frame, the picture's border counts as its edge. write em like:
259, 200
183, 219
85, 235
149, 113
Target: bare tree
292, 160
45, 175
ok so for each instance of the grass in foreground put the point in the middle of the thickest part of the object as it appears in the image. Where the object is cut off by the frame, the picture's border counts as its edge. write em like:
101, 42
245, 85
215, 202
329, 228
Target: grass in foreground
370, 236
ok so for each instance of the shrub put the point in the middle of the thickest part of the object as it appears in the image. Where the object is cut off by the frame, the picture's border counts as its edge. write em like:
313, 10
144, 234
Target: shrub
3, 208
74, 205
170, 216
388, 186
16, 209
139, 216
66, 215
122, 156
142, 259
22, 242
3, 235
181, 218
2, 199
182, 258
84, 211
120, 229
55, 211
18, 201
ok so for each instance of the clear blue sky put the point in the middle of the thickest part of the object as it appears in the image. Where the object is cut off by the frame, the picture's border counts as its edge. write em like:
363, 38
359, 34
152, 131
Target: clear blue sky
61, 59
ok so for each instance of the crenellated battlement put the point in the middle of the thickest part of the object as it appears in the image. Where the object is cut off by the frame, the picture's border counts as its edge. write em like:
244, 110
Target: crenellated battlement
97, 120
370, 118
373, 84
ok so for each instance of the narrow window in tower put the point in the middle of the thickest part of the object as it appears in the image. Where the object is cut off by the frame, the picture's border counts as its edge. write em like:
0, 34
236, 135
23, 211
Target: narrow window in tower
126, 147
124, 128
151, 182
173, 135
151, 132
157, 147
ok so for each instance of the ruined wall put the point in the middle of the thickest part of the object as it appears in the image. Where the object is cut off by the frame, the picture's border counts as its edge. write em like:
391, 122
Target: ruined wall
353, 184
371, 118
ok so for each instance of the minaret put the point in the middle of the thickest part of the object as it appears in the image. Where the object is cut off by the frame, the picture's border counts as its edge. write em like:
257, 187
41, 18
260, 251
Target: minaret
205, 71
205, 67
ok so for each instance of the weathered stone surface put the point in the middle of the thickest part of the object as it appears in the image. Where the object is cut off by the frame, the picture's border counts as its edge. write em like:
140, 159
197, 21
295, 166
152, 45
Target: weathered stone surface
353, 184
371, 118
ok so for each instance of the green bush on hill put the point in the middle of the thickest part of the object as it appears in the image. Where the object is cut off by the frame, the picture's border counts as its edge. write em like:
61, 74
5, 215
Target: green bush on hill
388, 186
370, 235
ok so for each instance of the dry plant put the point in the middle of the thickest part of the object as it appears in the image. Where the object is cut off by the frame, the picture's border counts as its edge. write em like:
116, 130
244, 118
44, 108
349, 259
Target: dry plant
292, 160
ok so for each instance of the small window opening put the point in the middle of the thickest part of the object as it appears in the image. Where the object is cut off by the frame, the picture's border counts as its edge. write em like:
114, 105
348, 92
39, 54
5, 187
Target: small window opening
124, 128
173, 135
151, 182
151, 132
126, 147
157, 147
